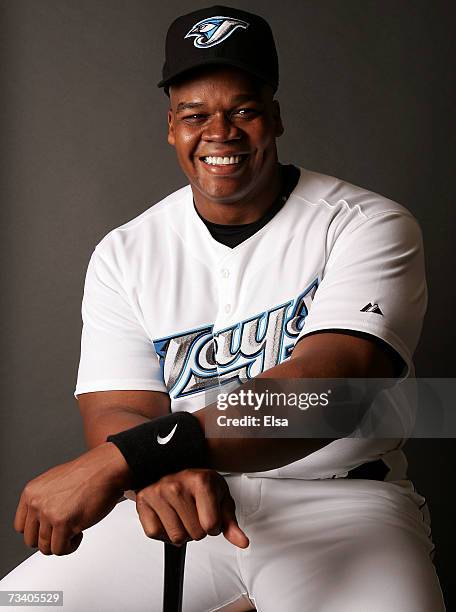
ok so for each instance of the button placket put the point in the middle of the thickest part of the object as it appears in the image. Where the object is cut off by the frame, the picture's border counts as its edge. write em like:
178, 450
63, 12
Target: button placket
226, 298
222, 276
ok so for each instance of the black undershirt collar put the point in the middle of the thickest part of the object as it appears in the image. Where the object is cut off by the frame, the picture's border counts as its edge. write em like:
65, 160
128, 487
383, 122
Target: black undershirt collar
232, 235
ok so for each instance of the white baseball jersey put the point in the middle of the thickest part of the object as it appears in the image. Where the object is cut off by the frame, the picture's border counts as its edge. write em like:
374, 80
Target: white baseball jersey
168, 308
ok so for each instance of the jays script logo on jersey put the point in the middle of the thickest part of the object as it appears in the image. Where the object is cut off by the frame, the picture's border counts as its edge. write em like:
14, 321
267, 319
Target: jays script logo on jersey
214, 30
199, 359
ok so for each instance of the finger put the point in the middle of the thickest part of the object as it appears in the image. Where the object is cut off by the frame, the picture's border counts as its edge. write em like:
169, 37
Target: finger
44, 538
20, 516
185, 507
31, 529
151, 524
172, 524
231, 530
64, 542
74, 543
209, 513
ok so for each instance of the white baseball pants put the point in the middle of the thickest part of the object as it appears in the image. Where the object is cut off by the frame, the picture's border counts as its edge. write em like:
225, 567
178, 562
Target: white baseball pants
315, 546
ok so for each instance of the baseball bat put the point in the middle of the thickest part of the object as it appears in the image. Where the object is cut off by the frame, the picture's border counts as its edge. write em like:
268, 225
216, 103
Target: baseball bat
173, 577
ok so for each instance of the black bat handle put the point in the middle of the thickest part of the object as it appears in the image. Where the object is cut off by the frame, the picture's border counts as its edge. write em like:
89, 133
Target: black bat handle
173, 577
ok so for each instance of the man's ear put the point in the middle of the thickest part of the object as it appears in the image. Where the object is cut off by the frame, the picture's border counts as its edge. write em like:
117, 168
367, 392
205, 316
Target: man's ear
171, 138
279, 129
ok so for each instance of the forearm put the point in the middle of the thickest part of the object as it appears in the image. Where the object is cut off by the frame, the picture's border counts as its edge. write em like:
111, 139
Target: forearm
317, 359
96, 430
261, 454
254, 454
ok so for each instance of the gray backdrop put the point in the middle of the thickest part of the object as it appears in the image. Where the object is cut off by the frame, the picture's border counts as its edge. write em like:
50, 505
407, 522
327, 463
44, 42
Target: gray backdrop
365, 95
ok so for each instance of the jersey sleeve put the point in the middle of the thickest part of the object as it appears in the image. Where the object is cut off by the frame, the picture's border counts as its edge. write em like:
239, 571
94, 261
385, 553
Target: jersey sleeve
374, 282
116, 353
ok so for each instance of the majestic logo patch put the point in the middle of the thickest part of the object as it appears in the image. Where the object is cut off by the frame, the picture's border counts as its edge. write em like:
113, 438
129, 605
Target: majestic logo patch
201, 359
214, 30
372, 308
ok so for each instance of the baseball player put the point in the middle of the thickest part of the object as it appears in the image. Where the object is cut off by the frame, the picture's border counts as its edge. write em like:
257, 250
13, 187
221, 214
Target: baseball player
253, 270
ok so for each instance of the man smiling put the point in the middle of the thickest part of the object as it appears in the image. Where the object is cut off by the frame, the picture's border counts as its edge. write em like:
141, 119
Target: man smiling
253, 270
224, 124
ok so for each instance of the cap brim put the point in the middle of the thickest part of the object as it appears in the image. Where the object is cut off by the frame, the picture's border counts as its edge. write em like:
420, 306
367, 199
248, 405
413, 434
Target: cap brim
214, 61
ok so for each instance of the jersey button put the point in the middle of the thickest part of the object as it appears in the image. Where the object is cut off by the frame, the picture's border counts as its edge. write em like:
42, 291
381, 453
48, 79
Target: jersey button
225, 272
227, 308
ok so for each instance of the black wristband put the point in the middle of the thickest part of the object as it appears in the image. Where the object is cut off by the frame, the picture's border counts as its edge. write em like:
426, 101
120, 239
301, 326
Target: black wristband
166, 445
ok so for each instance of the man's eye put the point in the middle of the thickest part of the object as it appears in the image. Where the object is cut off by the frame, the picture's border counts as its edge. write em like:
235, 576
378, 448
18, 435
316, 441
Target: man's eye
194, 118
246, 112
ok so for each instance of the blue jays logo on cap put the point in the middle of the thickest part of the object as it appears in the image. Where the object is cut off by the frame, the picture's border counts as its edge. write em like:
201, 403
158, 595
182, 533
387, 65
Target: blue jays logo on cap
214, 30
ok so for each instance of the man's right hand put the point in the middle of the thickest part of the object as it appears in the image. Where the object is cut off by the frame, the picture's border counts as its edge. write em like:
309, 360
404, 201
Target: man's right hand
187, 506
58, 505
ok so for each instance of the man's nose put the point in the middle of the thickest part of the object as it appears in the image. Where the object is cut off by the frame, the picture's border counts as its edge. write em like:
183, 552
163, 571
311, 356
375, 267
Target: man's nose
221, 129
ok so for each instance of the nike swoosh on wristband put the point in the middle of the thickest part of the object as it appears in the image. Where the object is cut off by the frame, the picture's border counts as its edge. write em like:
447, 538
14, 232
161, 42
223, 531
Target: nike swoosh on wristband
167, 438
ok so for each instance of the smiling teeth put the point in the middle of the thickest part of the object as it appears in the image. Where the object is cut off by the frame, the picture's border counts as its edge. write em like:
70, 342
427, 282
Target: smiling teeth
222, 161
